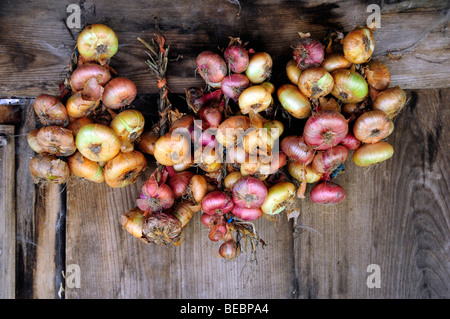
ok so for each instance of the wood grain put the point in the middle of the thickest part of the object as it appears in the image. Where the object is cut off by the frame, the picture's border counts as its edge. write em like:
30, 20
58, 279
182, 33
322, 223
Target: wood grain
37, 44
7, 214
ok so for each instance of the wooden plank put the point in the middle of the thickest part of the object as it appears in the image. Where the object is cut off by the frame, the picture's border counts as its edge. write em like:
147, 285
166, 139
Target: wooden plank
396, 216
35, 38
7, 214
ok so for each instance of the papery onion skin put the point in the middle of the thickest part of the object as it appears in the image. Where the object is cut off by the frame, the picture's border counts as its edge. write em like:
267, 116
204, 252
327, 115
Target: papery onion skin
258, 142
198, 188
184, 211
259, 68
97, 42
275, 128
124, 169
278, 197
308, 53
254, 99
295, 148
293, 101
315, 82
217, 203
249, 192
155, 197
231, 130
325, 129
56, 140
327, 161
77, 107
211, 67
335, 61
229, 250
358, 45
50, 110
128, 125
233, 85
351, 142
231, 179
370, 154
327, 193
349, 86
32, 141
378, 75
236, 57
303, 173
293, 72
98, 142
249, 214
119, 92
372, 126
162, 228
172, 148
83, 167
132, 221
179, 183
390, 101
86, 71
48, 168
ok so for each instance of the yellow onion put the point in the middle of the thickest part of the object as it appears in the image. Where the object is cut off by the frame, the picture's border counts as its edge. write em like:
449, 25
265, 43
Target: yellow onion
275, 128
358, 45
32, 141
293, 101
78, 107
231, 179
303, 173
259, 68
251, 165
97, 42
372, 126
48, 168
83, 167
128, 125
231, 130
132, 221
207, 159
269, 86
119, 92
98, 142
349, 86
258, 142
293, 71
124, 168
147, 142
315, 82
76, 124
254, 99
56, 140
185, 210
378, 75
370, 154
278, 198
50, 110
172, 148
198, 188
335, 61
235, 155
390, 101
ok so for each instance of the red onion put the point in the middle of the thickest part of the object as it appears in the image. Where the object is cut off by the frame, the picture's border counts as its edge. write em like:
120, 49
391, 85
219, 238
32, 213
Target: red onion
196, 99
351, 142
229, 249
327, 193
217, 203
234, 84
211, 115
236, 57
325, 129
154, 197
211, 66
179, 183
249, 192
248, 214
295, 148
327, 161
308, 53
218, 231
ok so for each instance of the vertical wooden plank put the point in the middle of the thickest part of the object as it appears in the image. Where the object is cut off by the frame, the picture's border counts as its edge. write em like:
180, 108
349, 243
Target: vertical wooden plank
7, 214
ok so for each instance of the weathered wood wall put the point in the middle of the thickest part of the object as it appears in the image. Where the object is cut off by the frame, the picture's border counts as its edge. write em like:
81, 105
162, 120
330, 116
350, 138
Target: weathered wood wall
396, 214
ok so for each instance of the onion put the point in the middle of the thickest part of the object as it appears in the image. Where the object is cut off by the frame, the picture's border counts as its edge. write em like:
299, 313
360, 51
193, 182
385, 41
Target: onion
251, 165
258, 142
212, 220
89, 79
119, 92
179, 182
293, 101
78, 107
124, 168
229, 250
196, 99
76, 124
48, 168
208, 159
218, 232
327, 193
372, 126
217, 203
349, 86
32, 140
249, 192
293, 72
378, 75
269, 86
50, 110
349, 109
97, 42
325, 129
183, 125
232, 129
254, 99
303, 173
128, 125
197, 188
212, 116
172, 148
275, 128
211, 67
154, 197
278, 198
162, 228
308, 53
236, 57
315, 82
390, 101
132, 221
335, 61
259, 68
184, 211
56, 140
370, 154
236, 155
249, 214
328, 105
358, 45
147, 142
233, 85
329, 160
98, 142
231, 179
83, 167
351, 142
295, 148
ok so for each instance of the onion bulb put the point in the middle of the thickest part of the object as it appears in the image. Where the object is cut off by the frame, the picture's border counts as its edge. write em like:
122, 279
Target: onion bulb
327, 193
155, 197
132, 221
293, 101
378, 75
233, 85
76, 124
303, 173
229, 250
308, 53
329, 160
124, 168
295, 148
197, 188
217, 203
249, 192
278, 198
48, 168
119, 92
236, 57
98, 142
89, 79
56, 140
335, 61
325, 130
259, 68
254, 99
349, 86
50, 110
231, 130
372, 126
32, 141
98, 43
179, 183
147, 142
351, 142
370, 154
315, 82
78, 107
231, 179
128, 125
83, 167
211, 67
258, 142
359, 45
390, 101
249, 214
172, 148
293, 72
